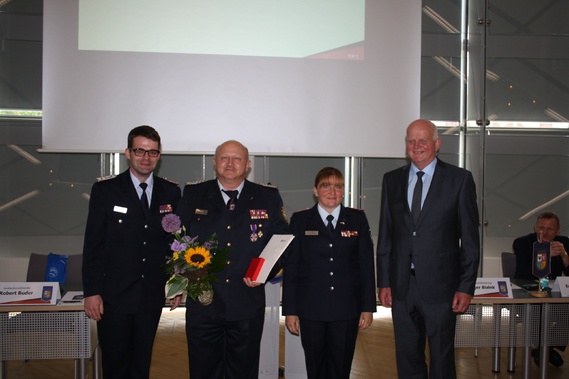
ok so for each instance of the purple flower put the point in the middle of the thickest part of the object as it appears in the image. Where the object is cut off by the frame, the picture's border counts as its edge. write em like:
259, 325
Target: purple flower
189, 240
177, 246
171, 223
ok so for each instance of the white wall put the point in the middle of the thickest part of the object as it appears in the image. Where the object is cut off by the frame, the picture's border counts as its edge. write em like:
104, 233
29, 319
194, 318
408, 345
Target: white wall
13, 269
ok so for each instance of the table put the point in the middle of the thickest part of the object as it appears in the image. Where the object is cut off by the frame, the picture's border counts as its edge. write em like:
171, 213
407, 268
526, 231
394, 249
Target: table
48, 332
555, 310
511, 323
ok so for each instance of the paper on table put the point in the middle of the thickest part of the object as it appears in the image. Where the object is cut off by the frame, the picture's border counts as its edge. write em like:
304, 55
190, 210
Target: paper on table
72, 298
260, 268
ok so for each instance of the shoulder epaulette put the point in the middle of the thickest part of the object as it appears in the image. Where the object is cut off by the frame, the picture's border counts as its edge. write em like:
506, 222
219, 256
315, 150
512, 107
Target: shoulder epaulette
194, 182
284, 214
268, 185
357, 209
300, 210
103, 178
171, 181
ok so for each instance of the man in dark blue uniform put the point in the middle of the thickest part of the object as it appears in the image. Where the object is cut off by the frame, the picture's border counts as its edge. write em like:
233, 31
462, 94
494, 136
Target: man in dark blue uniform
224, 337
125, 248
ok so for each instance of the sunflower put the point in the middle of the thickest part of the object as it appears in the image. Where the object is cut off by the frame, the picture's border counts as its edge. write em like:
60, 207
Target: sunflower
198, 256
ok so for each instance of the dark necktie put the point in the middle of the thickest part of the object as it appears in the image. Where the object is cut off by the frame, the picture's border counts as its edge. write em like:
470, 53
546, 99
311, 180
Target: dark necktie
330, 226
144, 198
232, 199
417, 195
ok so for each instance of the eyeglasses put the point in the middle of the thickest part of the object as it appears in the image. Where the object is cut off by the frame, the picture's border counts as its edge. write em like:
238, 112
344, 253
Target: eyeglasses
140, 152
329, 187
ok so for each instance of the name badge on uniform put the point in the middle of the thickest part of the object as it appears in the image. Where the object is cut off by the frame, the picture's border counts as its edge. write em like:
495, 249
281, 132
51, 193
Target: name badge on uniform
202, 212
119, 209
311, 232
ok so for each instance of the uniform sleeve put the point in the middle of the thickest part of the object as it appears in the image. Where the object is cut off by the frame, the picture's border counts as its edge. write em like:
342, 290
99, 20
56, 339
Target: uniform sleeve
366, 262
384, 240
469, 235
290, 272
279, 226
94, 243
565, 243
183, 208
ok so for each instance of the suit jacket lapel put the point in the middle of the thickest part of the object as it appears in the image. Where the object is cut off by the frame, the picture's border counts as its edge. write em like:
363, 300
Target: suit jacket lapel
129, 193
315, 222
243, 201
156, 195
435, 188
245, 198
343, 221
214, 195
404, 191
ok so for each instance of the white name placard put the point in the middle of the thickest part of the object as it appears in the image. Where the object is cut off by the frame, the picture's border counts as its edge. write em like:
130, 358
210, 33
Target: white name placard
29, 293
561, 285
493, 288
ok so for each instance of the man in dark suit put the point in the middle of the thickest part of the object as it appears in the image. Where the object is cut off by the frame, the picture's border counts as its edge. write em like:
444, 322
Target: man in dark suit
546, 229
329, 279
224, 337
124, 251
427, 264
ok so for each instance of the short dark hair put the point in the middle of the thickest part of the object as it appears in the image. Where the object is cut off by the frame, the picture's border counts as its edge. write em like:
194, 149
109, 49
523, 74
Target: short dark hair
144, 131
549, 215
326, 173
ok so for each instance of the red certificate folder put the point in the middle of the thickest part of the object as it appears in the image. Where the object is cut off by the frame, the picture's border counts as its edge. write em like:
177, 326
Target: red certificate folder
260, 268
255, 268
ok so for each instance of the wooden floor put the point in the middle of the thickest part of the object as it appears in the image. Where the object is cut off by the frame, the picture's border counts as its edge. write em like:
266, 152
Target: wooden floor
374, 358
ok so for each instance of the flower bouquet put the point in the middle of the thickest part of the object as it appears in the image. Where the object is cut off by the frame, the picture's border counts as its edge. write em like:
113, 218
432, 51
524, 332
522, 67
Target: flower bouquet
192, 265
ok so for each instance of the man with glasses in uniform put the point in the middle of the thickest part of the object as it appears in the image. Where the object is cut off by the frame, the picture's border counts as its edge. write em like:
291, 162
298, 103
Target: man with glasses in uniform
123, 256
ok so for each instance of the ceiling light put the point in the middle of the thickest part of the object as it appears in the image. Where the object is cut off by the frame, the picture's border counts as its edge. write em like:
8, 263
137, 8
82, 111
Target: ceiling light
19, 200
554, 115
440, 20
492, 76
544, 205
25, 154
447, 64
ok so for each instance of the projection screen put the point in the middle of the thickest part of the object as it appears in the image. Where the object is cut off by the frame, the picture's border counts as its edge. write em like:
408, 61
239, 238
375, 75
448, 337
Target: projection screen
295, 77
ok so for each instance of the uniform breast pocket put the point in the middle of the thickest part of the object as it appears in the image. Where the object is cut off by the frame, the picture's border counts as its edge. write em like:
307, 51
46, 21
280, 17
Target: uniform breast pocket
122, 222
200, 224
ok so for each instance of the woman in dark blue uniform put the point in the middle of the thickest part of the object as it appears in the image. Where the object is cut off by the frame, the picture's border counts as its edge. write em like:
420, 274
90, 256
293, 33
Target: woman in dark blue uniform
329, 279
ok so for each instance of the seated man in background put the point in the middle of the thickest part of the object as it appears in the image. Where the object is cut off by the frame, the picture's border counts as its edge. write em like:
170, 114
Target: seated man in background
546, 229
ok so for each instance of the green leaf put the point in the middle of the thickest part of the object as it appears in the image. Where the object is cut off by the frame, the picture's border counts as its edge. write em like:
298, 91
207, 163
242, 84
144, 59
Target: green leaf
219, 260
175, 286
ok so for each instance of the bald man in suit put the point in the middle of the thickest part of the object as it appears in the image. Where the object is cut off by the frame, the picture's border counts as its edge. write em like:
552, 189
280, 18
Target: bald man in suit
427, 264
